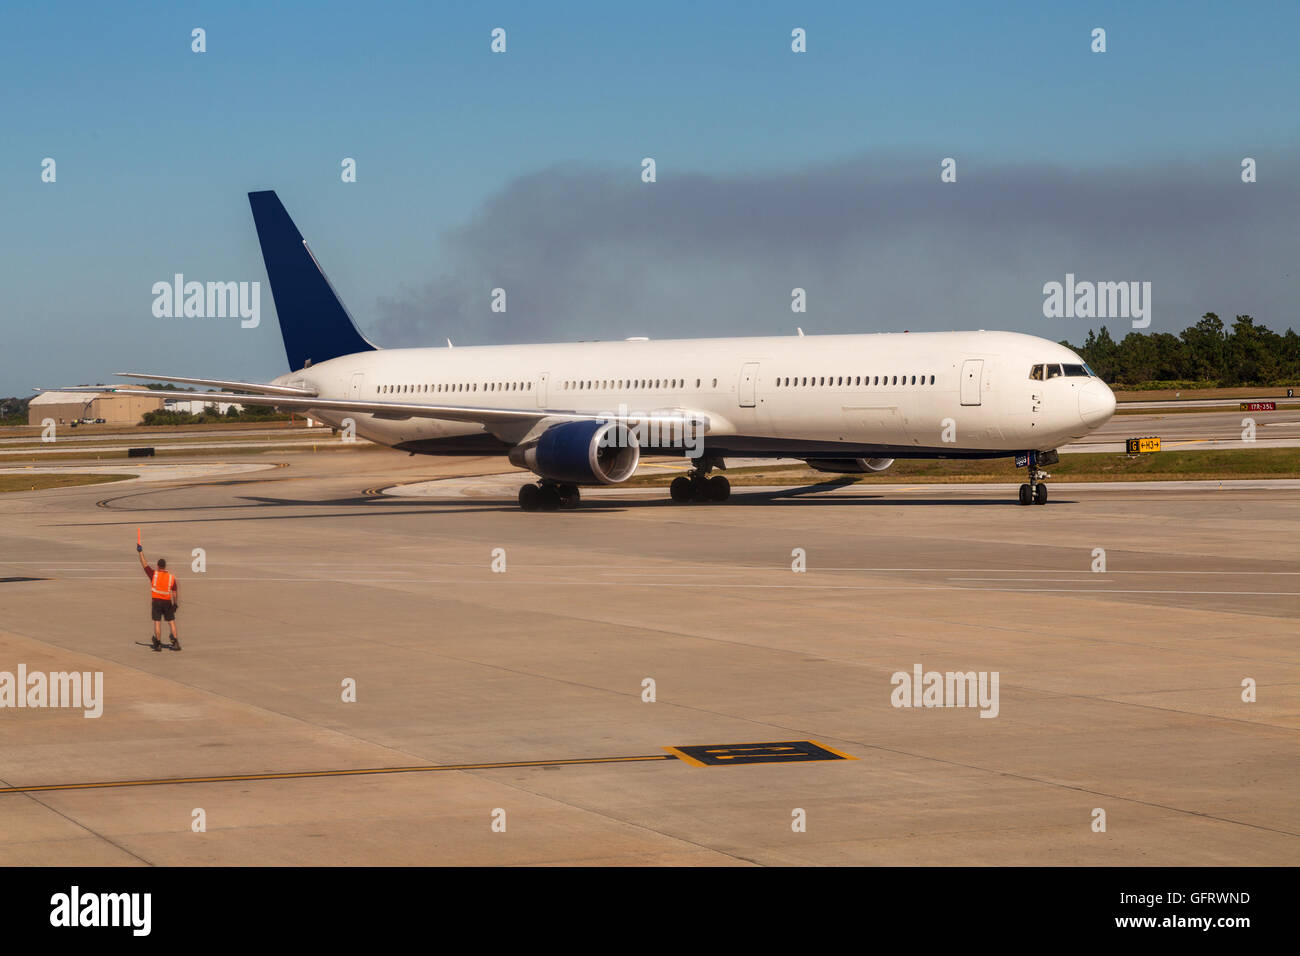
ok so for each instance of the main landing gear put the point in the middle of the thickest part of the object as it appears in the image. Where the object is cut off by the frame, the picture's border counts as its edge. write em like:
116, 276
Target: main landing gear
698, 486
548, 496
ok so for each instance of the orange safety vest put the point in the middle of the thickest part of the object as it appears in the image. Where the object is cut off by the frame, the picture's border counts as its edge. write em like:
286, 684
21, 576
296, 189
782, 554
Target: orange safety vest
161, 588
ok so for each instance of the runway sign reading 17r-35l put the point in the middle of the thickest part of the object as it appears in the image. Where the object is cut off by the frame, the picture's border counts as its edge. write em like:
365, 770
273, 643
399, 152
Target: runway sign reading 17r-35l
780, 751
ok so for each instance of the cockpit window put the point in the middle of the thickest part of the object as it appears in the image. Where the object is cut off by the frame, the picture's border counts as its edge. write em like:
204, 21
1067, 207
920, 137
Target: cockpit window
1053, 371
1078, 370
1036, 373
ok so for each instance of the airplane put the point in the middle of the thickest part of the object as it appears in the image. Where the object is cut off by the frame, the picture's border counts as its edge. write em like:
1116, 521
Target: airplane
583, 413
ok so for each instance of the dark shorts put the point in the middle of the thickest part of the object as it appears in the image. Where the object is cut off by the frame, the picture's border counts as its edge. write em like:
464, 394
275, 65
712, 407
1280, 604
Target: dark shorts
163, 610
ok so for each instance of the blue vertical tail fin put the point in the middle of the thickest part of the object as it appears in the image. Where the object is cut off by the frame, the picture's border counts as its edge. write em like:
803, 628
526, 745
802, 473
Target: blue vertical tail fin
314, 323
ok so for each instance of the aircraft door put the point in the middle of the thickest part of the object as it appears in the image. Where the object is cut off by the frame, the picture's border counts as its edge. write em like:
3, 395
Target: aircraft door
748, 384
542, 381
358, 386
972, 373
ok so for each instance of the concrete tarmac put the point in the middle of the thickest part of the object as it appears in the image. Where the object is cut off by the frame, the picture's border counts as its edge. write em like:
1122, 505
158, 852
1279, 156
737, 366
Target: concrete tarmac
1197, 431
1119, 691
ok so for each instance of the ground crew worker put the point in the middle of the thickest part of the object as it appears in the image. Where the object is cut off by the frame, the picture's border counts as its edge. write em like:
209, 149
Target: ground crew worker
166, 598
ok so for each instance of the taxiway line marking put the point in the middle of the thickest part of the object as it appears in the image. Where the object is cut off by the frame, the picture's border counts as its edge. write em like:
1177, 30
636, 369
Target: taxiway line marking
720, 585
784, 569
304, 774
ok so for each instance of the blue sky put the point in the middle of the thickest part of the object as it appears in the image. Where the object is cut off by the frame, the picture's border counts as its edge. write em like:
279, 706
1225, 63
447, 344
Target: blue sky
156, 147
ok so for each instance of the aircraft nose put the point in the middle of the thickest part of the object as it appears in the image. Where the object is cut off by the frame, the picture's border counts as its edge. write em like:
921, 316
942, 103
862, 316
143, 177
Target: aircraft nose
1096, 403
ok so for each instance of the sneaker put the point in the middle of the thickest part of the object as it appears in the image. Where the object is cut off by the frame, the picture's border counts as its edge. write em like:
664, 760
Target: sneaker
176, 645
157, 644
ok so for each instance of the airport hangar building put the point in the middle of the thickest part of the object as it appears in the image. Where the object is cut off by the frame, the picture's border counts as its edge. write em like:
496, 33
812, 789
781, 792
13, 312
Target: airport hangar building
116, 408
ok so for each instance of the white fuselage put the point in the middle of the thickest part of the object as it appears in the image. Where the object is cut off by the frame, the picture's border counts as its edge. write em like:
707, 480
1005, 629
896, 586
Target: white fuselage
936, 394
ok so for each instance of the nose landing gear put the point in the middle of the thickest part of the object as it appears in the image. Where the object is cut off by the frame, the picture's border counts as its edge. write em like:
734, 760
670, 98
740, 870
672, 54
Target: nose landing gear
1034, 492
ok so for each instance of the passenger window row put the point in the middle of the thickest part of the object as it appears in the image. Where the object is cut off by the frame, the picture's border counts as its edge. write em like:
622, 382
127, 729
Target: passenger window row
625, 384
641, 384
436, 387
850, 381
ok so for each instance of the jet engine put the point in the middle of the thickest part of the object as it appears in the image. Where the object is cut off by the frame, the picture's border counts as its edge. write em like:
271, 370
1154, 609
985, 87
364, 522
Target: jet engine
581, 453
849, 466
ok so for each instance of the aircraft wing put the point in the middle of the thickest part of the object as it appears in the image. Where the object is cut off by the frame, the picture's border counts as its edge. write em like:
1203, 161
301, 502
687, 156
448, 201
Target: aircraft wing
403, 410
255, 387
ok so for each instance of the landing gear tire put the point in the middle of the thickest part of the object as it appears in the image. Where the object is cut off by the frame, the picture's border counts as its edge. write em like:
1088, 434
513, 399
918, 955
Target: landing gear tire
548, 497
1040, 494
1026, 494
698, 486
530, 497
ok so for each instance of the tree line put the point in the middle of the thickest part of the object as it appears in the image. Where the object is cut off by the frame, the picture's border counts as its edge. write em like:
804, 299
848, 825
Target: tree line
13, 410
212, 414
1205, 355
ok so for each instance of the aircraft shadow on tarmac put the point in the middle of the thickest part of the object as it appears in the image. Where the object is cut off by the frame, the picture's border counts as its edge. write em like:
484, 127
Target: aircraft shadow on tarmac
800, 496
816, 495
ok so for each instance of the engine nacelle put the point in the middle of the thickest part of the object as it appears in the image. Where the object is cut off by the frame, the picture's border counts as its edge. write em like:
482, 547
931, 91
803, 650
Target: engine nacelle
849, 466
581, 453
